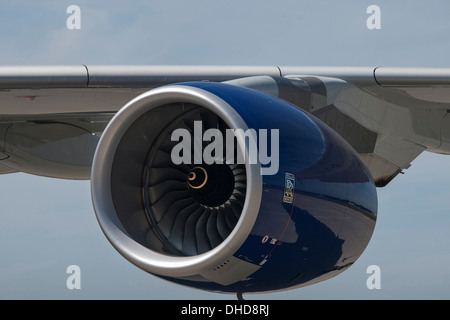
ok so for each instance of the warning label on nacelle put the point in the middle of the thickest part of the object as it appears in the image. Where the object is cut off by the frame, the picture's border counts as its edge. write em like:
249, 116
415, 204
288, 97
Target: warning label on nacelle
289, 184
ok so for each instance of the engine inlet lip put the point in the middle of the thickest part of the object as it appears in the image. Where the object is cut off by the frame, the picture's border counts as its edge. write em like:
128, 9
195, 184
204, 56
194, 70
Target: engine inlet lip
144, 258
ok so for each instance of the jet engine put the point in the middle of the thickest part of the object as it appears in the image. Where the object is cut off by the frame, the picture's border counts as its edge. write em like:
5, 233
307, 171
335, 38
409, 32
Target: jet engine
224, 188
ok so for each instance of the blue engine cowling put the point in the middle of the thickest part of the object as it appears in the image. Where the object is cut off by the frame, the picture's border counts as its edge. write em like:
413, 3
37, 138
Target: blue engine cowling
301, 214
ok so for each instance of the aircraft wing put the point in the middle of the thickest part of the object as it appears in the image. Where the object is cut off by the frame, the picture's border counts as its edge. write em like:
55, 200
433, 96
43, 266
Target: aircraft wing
226, 225
52, 116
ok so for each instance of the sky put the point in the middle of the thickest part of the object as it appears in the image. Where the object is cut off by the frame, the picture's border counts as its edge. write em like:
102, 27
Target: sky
47, 225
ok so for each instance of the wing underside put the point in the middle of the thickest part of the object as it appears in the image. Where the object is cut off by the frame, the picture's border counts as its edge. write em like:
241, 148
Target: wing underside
52, 116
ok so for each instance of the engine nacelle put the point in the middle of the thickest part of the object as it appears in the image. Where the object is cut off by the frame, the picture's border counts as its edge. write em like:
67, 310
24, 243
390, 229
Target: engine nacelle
179, 192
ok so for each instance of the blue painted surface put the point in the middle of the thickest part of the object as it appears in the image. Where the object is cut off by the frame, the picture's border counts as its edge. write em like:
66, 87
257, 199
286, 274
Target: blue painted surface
333, 213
